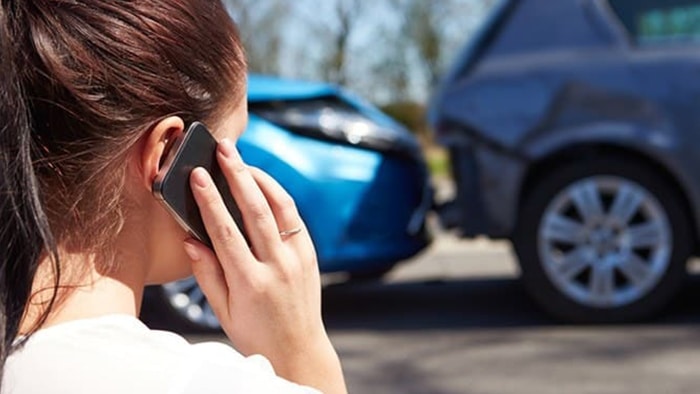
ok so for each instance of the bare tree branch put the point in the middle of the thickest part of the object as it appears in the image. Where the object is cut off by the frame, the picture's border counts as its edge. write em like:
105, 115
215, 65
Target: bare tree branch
260, 25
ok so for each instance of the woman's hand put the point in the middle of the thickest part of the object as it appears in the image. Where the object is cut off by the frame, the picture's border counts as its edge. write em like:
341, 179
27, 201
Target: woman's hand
267, 295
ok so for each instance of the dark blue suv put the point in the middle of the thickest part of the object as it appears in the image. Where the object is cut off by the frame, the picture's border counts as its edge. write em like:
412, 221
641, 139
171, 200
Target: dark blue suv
574, 131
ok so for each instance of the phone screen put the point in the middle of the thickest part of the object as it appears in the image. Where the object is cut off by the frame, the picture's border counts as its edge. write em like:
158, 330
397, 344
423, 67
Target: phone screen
194, 148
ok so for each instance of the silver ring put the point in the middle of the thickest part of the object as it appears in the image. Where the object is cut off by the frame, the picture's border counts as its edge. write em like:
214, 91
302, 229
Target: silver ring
291, 232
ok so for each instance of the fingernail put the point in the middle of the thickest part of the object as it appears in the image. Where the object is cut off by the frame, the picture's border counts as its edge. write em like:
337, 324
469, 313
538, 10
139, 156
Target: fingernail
200, 177
227, 148
191, 251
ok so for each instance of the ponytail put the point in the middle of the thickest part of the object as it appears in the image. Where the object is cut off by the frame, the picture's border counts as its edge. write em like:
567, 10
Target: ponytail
24, 230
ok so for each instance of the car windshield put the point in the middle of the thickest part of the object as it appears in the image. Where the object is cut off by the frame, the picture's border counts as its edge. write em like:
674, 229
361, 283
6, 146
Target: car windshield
652, 22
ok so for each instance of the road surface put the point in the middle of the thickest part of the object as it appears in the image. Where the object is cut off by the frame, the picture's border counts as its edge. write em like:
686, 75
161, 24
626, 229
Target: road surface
456, 320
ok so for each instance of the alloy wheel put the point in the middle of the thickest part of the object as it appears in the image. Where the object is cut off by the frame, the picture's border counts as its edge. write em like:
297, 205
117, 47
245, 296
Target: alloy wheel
605, 241
187, 299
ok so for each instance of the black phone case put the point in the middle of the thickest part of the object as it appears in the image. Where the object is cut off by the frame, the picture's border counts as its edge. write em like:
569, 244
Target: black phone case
195, 148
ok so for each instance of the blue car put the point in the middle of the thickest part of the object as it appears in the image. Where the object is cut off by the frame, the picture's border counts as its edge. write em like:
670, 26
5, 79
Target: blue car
358, 177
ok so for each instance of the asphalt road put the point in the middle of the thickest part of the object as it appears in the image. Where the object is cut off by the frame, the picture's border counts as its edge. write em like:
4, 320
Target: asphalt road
456, 320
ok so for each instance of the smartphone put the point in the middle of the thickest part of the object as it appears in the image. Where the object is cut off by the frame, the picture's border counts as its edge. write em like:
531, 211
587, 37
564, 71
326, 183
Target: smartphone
196, 147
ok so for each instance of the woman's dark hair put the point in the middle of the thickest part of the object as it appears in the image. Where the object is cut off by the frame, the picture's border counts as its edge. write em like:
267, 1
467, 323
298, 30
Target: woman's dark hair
81, 82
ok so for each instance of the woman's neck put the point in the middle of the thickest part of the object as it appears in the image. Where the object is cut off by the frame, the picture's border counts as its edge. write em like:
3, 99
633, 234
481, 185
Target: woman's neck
90, 293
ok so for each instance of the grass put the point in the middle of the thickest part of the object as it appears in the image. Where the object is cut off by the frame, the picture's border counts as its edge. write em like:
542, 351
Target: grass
438, 162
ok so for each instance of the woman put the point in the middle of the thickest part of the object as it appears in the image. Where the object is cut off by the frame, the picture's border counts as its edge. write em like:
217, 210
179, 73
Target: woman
92, 93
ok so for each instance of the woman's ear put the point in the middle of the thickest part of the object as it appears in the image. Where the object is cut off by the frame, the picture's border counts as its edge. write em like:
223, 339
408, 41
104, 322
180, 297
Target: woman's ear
156, 144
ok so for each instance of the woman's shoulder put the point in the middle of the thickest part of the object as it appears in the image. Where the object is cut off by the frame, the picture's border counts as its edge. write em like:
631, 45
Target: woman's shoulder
109, 353
119, 336
116, 354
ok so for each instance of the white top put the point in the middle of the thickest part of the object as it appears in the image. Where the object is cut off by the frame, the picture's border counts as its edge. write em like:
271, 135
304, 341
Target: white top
119, 354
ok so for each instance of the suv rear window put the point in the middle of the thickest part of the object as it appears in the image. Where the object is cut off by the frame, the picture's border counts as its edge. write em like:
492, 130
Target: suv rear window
660, 21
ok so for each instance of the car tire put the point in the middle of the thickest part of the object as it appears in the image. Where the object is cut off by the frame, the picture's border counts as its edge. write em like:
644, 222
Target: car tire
582, 261
167, 309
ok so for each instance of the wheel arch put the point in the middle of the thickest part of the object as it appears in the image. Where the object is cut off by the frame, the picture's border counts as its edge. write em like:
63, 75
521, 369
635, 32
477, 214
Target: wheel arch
586, 151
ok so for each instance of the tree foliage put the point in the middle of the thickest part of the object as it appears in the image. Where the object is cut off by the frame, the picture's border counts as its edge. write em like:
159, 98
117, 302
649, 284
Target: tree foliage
386, 50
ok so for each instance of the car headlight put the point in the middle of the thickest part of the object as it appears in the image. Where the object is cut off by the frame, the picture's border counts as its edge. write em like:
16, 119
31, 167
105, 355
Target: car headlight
335, 120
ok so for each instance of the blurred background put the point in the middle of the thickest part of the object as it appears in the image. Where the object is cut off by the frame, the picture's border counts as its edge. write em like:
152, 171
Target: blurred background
504, 194
391, 52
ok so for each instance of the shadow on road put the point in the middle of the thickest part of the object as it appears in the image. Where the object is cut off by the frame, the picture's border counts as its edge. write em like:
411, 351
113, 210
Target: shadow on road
460, 304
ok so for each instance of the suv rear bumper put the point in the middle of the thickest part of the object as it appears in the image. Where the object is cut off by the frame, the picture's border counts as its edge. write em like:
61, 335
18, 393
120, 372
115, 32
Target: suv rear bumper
488, 190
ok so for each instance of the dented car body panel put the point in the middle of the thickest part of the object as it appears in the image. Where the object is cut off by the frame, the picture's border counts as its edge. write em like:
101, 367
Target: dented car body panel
548, 78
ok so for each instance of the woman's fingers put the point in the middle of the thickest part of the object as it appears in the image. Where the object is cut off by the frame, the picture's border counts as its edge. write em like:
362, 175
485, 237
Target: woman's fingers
229, 243
294, 232
258, 219
210, 276
281, 203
